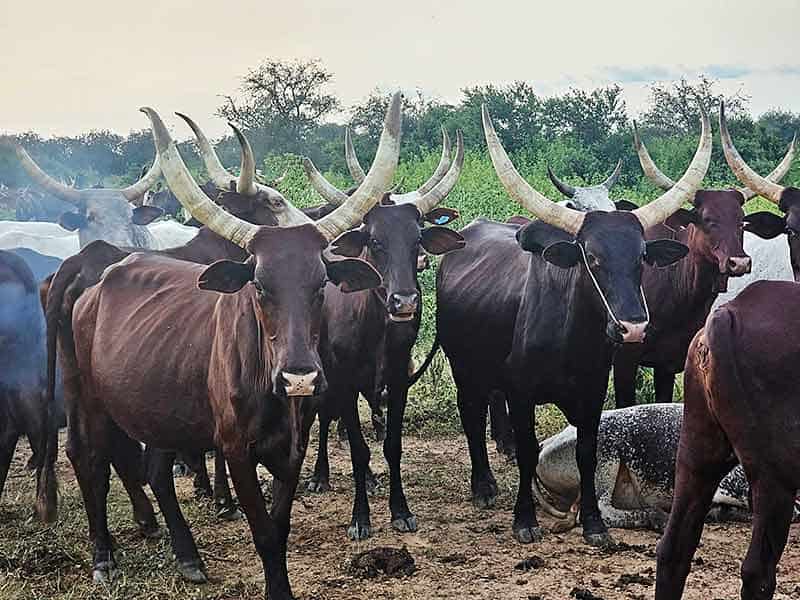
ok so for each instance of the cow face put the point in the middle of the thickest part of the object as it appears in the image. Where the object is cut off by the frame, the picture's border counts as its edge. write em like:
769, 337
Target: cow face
715, 232
105, 214
768, 225
392, 239
610, 250
288, 274
258, 208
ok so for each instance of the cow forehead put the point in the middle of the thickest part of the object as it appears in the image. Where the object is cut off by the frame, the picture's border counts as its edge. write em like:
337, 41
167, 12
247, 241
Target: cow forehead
592, 198
719, 201
290, 250
392, 217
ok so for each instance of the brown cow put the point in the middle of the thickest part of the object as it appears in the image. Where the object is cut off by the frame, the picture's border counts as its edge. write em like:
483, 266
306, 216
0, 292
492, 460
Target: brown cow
741, 399
244, 377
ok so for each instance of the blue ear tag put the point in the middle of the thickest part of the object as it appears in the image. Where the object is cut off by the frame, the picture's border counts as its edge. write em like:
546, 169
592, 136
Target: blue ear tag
442, 220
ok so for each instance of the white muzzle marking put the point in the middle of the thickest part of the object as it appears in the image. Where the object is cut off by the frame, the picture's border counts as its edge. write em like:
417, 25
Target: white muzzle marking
634, 332
300, 385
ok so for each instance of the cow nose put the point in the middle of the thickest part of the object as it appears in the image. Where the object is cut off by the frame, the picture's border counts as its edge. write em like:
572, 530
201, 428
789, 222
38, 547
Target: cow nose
739, 265
633, 333
301, 382
403, 305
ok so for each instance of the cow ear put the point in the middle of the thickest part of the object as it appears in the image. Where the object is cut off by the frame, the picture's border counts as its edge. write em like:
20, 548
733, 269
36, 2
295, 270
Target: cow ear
350, 243
441, 215
518, 220
531, 237
625, 205
562, 254
662, 253
441, 240
353, 275
765, 224
226, 276
144, 215
72, 221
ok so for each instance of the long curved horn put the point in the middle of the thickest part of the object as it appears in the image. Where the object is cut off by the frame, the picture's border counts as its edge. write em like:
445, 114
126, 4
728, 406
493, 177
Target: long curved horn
329, 192
135, 192
649, 167
377, 180
190, 195
428, 201
216, 172
443, 166
754, 182
356, 172
562, 187
246, 184
39, 177
612, 179
520, 190
684, 189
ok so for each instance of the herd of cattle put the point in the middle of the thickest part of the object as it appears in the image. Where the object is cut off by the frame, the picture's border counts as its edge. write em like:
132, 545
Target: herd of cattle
234, 331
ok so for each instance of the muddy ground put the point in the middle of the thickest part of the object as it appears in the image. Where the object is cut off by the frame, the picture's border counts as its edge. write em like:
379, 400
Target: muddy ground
459, 551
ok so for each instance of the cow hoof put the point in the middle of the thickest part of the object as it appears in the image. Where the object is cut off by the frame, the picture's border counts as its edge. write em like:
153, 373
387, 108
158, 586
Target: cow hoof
484, 499
229, 513
180, 470
318, 485
599, 540
193, 571
528, 535
150, 531
103, 572
407, 524
359, 531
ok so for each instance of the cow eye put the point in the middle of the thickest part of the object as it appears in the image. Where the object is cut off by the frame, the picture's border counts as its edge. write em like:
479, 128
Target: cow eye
259, 288
375, 245
591, 259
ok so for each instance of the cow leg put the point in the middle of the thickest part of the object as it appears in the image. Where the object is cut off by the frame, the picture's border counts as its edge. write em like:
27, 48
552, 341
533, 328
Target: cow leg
402, 518
8, 442
360, 527
320, 480
226, 507
128, 461
526, 528
268, 538
501, 425
704, 458
625, 382
159, 476
96, 460
472, 410
664, 384
202, 483
595, 531
773, 506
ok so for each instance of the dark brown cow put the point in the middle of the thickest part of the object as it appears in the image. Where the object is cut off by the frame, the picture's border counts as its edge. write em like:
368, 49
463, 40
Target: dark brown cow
537, 313
367, 337
23, 406
787, 199
741, 402
244, 377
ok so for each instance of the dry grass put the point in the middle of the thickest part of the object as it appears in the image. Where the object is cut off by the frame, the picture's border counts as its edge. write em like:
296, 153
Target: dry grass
460, 552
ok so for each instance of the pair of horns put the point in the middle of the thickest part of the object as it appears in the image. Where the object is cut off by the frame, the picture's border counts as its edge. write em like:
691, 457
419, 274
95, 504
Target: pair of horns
133, 193
657, 177
572, 220
569, 191
756, 184
425, 198
357, 173
241, 232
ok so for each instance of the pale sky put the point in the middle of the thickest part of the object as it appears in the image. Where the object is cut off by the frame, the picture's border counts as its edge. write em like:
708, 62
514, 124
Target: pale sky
69, 67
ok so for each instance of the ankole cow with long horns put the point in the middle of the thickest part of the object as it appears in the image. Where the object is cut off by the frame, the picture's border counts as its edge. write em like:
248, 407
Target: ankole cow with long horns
712, 230
368, 337
245, 377
537, 311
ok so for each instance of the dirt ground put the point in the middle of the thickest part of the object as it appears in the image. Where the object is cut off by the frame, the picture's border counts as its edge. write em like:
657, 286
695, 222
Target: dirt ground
460, 552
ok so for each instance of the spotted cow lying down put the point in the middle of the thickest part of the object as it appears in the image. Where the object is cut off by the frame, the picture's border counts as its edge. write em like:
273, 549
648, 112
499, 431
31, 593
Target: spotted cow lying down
636, 452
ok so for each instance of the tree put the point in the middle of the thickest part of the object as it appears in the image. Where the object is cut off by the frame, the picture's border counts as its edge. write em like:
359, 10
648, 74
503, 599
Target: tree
673, 106
282, 102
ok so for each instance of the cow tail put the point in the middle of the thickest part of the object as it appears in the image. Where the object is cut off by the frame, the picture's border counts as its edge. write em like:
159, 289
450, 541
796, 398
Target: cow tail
428, 359
720, 337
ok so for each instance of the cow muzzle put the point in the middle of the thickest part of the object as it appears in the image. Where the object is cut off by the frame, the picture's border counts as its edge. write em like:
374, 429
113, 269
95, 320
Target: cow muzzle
403, 307
738, 265
632, 333
301, 384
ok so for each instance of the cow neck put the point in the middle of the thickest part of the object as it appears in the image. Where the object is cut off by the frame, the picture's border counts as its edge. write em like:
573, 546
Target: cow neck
697, 276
